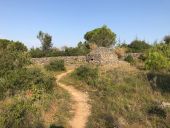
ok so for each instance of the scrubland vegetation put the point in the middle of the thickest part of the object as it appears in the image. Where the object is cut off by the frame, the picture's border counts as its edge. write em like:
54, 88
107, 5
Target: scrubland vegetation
30, 97
27, 93
56, 65
121, 98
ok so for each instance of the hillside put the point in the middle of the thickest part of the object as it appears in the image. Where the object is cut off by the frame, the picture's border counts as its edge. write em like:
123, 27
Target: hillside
122, 98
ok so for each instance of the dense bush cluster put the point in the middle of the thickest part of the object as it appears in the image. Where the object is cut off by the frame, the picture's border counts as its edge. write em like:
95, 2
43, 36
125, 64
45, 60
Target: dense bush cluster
20, 114
158, 57
17, 78
87, 74
56, 65
14, 76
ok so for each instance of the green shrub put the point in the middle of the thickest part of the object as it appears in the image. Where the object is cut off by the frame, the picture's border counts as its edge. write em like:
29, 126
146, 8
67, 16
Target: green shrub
162, 48
12, 45
12, 60
56, 65
24, 79
156, 61
20, 114
129, 59
87, 74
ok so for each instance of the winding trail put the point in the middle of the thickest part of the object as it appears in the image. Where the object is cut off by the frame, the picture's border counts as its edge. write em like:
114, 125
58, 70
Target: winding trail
81, 108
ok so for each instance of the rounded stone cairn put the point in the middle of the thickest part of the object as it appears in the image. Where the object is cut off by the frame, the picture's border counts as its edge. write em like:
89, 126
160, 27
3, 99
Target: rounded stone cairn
102, 56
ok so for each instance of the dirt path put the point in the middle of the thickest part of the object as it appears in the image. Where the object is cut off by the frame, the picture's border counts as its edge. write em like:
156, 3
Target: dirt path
81, 107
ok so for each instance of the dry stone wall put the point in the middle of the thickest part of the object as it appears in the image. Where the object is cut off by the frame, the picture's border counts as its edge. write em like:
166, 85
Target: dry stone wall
102, 56
67, 59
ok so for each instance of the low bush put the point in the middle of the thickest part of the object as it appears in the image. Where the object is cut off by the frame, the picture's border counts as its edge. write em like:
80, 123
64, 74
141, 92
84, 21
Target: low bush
12, 60
23, 79
56, 65
88, 74
20, 114
156, 61
129, 59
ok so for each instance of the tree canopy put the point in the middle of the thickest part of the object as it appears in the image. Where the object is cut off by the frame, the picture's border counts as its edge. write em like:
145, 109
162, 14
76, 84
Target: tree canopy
138, 46
101, 37
46, 40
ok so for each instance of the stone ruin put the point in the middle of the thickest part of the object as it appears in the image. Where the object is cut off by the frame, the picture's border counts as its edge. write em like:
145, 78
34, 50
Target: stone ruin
99, 56
102, 56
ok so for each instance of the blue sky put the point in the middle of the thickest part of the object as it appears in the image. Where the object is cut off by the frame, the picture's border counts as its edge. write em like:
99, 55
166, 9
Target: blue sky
68, 20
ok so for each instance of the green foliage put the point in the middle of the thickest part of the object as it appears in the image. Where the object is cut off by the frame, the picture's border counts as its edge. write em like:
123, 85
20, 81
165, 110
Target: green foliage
46, 40
101, 36
87, 74
75, 51
13, 74
12, 60
36, 53
20, 114
162, 48
4, 43
27, 89
17, 46
13, 56
12, 46
138, 46
81, 49
129, 59
56, 65
24, 79
156, 61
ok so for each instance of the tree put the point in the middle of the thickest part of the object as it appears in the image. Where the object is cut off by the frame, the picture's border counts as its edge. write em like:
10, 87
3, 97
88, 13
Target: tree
101, 37
46, 40
167, 39
138, 46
